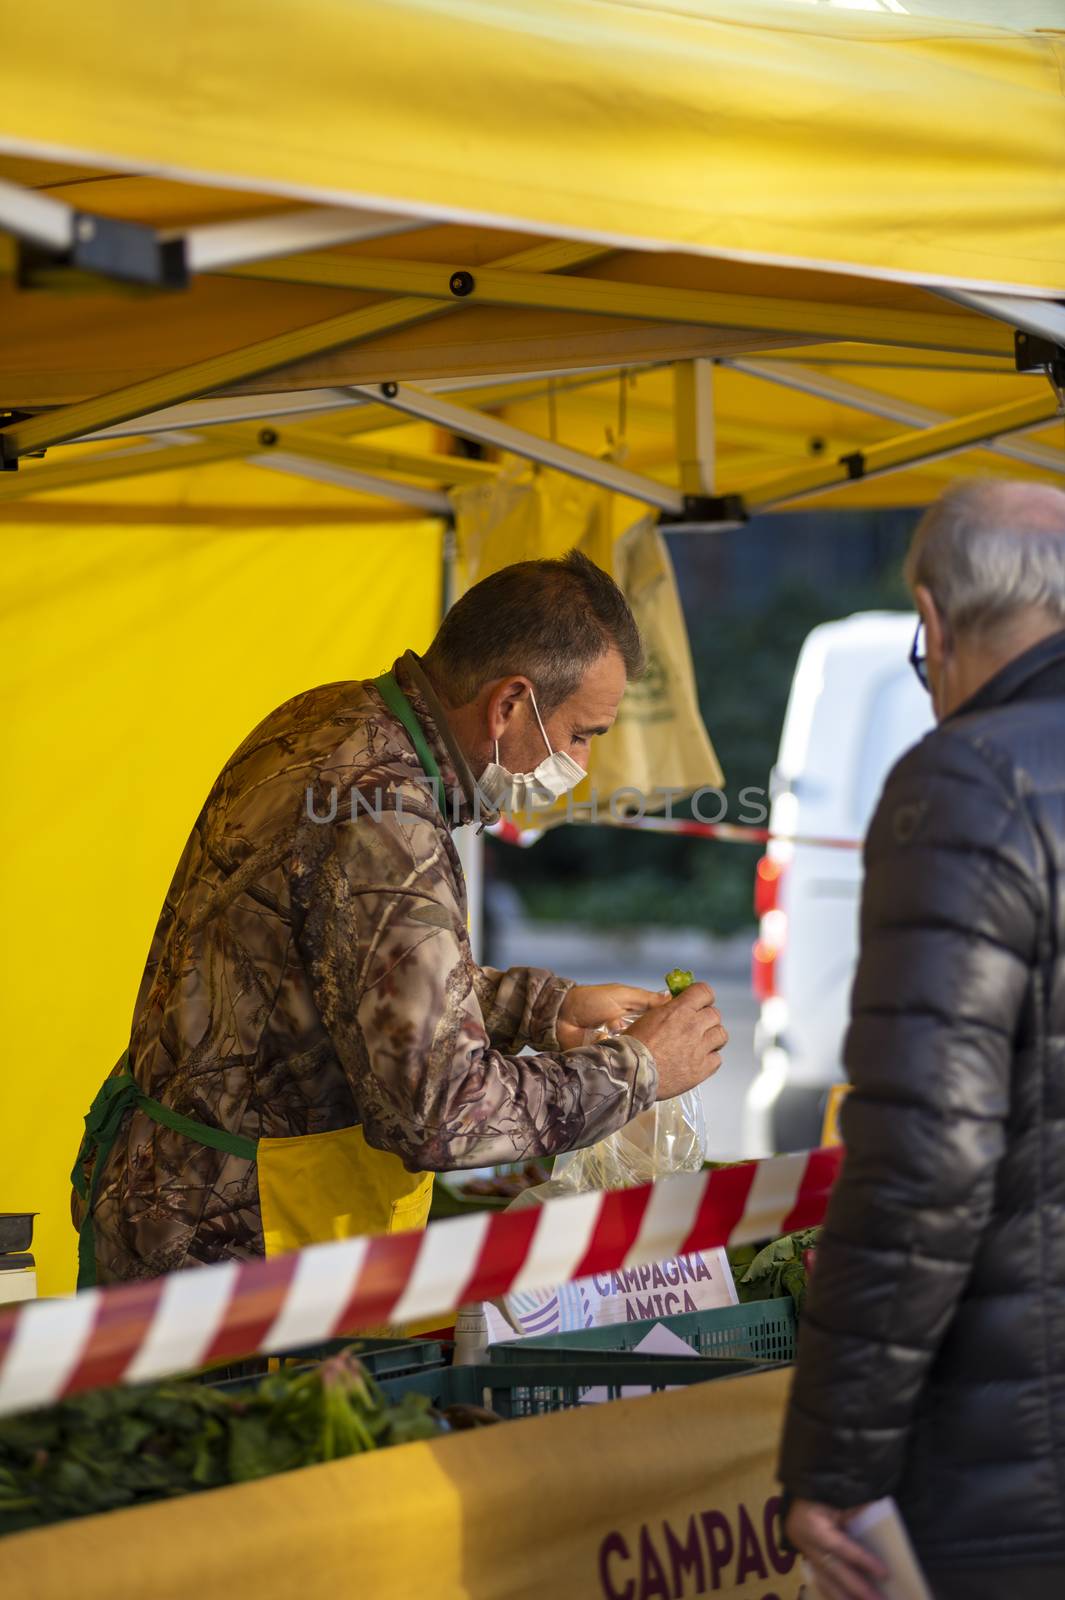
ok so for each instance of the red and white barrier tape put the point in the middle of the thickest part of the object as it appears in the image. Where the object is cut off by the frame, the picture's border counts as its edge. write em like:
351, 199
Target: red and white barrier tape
685, 827
130, 1332
734, 832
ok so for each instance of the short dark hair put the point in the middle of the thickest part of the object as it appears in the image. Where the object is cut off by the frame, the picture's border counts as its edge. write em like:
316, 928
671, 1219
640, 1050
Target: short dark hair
544, 620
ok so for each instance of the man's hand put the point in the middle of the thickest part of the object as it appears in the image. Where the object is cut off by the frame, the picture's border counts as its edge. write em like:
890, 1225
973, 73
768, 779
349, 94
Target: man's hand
685, 1037
844, 1571
609, 1006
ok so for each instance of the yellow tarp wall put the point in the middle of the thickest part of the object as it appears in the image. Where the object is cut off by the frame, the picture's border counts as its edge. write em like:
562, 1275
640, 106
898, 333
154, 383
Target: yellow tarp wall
134, 660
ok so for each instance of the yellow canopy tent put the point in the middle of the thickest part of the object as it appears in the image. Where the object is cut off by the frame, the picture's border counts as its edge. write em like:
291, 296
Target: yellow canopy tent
261, 267
891, 146
371, 193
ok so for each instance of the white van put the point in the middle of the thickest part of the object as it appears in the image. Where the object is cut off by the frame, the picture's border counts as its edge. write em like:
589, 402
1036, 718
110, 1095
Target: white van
855, 706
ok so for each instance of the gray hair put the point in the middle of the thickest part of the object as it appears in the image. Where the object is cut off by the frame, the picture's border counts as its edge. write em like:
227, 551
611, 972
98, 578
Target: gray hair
990, 549
543, 620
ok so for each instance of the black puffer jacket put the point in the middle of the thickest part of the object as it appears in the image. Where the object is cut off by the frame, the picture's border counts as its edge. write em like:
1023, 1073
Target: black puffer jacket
932, 1355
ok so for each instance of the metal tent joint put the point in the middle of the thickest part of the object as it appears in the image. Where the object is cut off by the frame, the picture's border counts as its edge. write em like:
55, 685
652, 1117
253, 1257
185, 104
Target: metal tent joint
123, 252
8, 457
707, 510
1035, 354
54, 238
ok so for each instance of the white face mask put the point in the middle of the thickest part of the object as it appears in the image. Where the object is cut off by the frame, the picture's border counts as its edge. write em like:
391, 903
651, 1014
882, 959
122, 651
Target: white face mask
526, 791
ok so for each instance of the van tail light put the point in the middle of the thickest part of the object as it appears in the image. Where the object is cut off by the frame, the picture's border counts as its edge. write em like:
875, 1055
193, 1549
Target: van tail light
767, 876
772, 927
763, 971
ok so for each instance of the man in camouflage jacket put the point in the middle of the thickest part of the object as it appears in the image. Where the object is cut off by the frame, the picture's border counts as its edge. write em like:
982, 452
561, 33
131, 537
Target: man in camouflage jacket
311, 971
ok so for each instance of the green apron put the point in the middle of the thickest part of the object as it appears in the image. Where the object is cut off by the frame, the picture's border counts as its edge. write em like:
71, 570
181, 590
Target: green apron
311, 1189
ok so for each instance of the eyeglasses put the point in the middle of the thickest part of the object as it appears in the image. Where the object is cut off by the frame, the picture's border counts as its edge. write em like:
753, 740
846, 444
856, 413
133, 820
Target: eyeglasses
919, 658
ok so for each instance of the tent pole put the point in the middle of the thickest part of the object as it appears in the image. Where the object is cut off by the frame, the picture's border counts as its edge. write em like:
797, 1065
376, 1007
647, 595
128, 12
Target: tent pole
309, 455
693, 424
334, 451
431, 501
875, 404
236, 366
905, 450
74, 241
222, 410
1044, 318
216, 372
469, 424
216, 246
215, 411
38, 218
135, 461
1039, 340
523, 288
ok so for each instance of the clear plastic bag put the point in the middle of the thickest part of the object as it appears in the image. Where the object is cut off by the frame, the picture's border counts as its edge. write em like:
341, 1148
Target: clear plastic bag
668, 1138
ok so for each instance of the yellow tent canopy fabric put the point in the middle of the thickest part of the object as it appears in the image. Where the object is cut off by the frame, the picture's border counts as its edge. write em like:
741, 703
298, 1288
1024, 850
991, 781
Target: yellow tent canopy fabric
136, 658
762, 132
620, 184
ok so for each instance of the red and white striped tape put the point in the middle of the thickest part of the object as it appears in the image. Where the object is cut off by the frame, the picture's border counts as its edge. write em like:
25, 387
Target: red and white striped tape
130, 1332
685, 827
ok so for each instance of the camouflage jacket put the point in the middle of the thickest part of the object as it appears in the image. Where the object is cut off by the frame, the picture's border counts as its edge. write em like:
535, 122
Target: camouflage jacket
311, 970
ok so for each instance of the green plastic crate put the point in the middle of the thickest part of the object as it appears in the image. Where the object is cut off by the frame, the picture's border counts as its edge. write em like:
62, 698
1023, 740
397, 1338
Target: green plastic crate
533, 1387
761, 1331
383, 1358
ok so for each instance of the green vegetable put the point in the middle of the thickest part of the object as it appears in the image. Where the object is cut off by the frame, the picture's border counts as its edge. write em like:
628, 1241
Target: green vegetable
776, 1271
120, 1447
678, 980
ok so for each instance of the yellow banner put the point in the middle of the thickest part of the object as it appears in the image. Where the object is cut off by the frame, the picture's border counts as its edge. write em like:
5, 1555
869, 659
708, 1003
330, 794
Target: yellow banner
658, 1498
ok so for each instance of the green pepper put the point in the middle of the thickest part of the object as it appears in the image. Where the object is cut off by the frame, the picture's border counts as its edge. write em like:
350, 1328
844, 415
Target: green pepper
678, 980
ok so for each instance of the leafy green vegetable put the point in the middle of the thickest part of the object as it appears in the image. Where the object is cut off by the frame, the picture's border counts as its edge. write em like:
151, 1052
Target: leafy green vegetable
776, 1271
119, 1447
678, 980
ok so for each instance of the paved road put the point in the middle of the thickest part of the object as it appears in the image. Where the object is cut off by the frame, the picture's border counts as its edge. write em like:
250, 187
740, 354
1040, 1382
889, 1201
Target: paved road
592, 958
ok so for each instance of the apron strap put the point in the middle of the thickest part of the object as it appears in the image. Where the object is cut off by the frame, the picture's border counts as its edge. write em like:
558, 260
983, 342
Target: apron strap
233, 1144
400, 707
117, 1095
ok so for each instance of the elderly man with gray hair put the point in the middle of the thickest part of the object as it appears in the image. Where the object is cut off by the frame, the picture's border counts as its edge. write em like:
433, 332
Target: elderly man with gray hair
932, 1355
